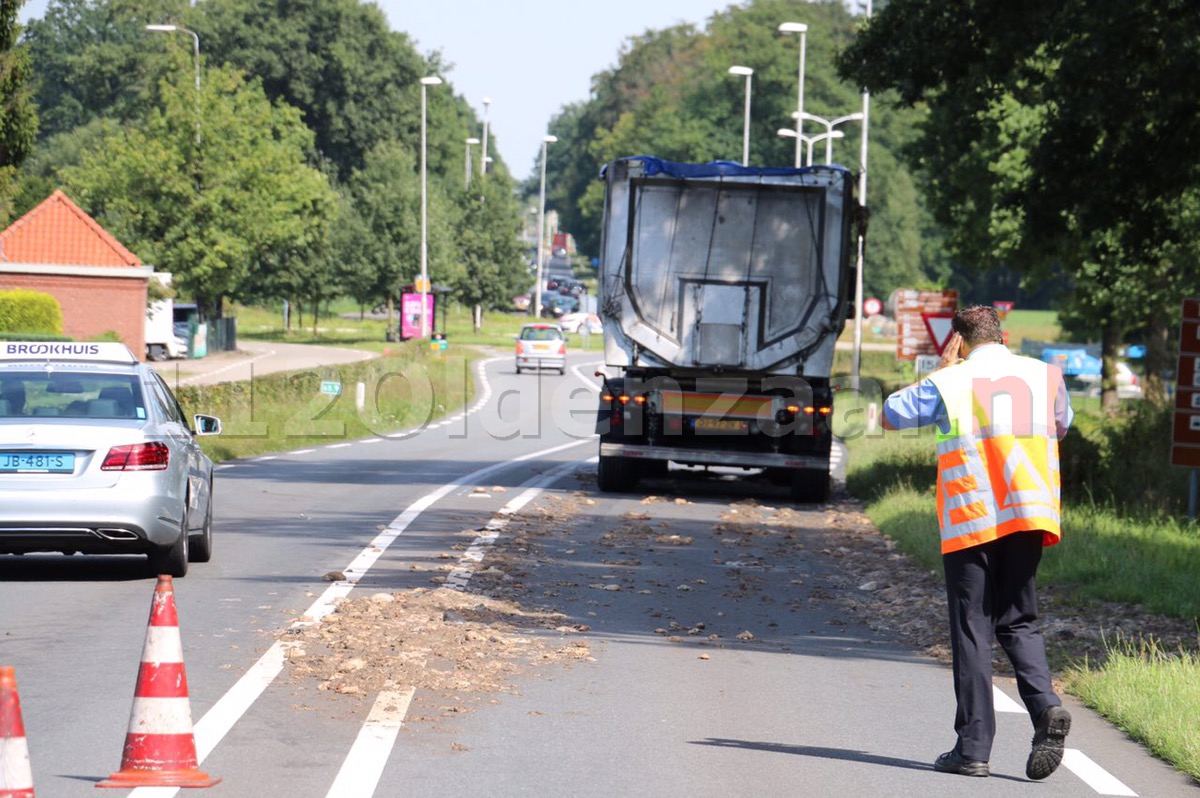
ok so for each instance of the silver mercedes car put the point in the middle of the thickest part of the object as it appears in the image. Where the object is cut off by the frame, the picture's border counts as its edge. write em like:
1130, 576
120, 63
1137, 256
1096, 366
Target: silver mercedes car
97, 457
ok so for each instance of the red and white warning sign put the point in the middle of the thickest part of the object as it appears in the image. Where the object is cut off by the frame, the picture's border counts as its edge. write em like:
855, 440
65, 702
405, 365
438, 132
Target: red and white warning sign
940, 327
914, 336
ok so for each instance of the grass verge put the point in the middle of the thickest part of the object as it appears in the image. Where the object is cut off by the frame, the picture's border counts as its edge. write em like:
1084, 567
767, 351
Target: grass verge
1150, 693
279, 412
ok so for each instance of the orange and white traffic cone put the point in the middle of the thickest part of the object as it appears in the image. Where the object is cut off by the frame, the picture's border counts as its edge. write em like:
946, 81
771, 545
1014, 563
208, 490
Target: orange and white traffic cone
160, 748
16, 778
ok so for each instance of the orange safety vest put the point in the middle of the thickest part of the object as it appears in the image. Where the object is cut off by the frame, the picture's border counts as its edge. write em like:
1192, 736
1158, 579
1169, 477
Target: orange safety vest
998, 469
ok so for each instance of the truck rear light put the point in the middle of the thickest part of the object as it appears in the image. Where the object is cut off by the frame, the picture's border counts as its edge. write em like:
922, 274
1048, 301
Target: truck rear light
623, 399
641, 400
825, 410
793, 409
809, 410
608, 397
152, 456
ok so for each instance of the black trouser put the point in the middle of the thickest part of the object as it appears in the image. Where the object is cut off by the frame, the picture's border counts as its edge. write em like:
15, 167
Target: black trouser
991, 594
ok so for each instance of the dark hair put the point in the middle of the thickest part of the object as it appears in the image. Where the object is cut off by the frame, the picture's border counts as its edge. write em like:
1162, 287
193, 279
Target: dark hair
978, 324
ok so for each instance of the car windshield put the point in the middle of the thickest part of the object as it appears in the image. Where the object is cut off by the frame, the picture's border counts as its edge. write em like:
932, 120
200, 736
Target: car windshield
541, 334
54, 393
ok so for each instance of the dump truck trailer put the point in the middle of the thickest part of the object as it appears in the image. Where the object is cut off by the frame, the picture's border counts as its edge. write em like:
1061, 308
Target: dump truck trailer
723, 290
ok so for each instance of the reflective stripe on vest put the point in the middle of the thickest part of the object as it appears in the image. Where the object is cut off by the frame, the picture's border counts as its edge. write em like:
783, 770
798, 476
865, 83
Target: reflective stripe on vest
998, 469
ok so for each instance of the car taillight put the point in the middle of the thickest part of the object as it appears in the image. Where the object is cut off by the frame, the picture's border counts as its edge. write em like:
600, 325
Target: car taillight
562, 347
520, 348
137, 457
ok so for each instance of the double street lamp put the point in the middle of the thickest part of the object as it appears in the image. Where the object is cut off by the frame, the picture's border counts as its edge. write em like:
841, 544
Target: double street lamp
787, 132
426, 82
748, 73
470, 142
537, 290
483, 163
196, 57
829, 124
802, 29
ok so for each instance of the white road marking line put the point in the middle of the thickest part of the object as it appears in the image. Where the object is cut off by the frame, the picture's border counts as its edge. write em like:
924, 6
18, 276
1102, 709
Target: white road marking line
364, 764
264, 459
1074, 760
337, 446
1003, 703
461, 575
1094, 776
369, 440
303, 451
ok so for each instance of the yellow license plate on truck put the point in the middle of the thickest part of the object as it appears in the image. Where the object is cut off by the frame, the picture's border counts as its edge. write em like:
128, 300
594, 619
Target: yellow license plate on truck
719, 425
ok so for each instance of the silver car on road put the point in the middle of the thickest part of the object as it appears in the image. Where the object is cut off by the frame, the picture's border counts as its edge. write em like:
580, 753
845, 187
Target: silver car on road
97, 457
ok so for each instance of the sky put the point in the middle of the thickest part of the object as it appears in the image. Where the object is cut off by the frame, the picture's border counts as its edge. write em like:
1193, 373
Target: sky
531, 57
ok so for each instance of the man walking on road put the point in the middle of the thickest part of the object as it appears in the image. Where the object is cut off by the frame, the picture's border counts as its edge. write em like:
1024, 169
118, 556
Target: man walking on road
999, 418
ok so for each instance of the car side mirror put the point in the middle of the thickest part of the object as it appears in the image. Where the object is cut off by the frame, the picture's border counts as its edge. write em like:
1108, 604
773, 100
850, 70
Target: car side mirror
207, 425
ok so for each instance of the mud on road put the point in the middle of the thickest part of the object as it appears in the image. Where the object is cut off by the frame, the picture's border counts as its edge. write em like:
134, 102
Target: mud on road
712, 573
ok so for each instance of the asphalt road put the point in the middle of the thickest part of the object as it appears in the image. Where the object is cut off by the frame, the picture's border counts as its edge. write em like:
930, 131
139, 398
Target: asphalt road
810, 703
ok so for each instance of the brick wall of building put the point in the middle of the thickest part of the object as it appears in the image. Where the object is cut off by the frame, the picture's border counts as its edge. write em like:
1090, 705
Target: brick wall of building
93, 305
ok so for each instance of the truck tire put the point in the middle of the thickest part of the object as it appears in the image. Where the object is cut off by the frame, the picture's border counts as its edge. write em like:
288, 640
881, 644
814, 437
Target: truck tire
156, 352
616, 474
810, 486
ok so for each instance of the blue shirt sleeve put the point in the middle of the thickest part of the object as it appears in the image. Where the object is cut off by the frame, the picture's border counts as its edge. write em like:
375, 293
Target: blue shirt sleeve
918, 405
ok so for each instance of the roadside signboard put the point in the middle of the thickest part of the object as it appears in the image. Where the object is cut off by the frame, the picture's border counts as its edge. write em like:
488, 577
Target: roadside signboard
331, 387
872, 307
913, 336
1003, 309
1185, 448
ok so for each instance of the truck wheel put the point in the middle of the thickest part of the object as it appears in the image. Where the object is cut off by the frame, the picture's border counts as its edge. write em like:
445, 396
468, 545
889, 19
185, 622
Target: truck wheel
810, 486
156, 352
616, 474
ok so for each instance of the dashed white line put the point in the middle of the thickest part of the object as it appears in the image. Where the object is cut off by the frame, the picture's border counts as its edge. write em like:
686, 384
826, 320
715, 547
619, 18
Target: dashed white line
360, 772
1093, 775
1074, 760
337, 446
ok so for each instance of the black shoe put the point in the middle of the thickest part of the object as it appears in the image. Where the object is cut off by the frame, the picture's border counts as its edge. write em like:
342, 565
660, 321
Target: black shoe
1047, 753
953, 762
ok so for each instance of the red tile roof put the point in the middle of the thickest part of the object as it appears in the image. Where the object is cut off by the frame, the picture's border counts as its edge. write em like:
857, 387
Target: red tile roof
58, 232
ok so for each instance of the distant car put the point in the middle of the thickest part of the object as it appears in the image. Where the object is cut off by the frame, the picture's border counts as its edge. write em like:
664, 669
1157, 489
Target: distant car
556, 306
541, 346
97, 457
521, 302
576, 323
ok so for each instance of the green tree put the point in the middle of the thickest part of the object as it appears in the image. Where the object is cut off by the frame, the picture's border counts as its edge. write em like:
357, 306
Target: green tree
18, 116
488, 242
1034, 152
220, 215
95, 58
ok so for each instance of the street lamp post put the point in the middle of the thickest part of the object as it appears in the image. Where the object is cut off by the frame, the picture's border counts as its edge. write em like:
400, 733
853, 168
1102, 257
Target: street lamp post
195, 56
802, 29
426, 82
483, 163
830, 124
862, 200
470, 142
788, 133
748, 73
537, 289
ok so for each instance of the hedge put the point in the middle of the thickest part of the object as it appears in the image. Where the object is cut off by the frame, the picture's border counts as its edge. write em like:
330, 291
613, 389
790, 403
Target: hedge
24, 311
